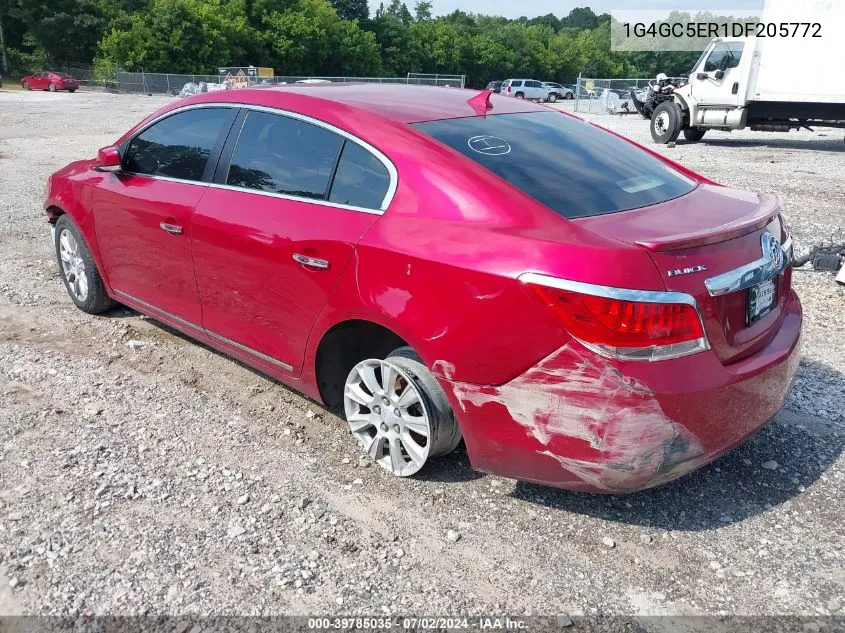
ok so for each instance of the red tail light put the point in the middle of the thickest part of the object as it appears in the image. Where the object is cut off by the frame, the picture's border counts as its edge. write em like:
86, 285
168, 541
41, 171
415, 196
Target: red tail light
628, 324
509, 88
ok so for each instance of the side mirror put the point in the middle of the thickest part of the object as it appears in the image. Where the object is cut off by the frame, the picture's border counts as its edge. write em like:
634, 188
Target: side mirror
108, 159
702, 76
719, 74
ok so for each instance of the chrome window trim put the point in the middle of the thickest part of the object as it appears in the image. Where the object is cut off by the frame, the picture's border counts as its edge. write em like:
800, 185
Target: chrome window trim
249, 350
272, 194
193, 326
750, 274
198, 183
384, 160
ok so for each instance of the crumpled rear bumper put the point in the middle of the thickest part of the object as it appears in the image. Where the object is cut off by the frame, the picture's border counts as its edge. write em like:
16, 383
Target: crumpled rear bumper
580, 421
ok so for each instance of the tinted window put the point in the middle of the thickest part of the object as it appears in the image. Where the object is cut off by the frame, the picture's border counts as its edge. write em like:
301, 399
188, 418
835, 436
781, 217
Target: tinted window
516, 84
533, 84
571, 166
178, 146
361, 179
283, 155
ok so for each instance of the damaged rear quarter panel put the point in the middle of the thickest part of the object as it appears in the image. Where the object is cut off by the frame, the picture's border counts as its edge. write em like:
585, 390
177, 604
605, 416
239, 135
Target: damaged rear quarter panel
606, 430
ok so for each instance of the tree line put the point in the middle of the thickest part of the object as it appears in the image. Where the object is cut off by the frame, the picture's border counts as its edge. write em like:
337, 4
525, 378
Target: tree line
316, 38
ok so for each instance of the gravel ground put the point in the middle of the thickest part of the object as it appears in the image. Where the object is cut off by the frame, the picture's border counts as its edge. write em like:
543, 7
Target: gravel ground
162, 477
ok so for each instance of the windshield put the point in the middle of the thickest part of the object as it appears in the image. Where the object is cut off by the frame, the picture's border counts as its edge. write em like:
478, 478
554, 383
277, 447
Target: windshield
571, 166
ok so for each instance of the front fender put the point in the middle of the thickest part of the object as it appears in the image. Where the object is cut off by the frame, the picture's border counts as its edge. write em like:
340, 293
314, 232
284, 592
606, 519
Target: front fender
73, 194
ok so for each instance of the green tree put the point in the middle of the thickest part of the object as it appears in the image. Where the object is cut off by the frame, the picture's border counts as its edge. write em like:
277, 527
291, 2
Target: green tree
352, 10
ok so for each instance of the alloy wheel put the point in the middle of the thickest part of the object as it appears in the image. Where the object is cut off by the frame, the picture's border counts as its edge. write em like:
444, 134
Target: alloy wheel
387, 414
73, 266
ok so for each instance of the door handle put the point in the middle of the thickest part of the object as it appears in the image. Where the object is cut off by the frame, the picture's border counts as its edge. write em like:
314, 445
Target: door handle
173, 229
314, 262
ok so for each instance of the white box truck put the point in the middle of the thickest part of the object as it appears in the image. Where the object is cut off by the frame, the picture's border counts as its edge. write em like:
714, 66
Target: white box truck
773, 84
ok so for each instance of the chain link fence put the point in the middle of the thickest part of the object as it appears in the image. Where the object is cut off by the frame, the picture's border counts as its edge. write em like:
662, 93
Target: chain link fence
607, 96
119, 80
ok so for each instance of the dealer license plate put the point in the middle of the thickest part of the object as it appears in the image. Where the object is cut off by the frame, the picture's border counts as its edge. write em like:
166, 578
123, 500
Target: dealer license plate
760, 300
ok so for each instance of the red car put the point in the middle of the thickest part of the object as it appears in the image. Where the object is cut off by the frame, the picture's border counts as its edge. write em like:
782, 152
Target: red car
441, 264
50, 80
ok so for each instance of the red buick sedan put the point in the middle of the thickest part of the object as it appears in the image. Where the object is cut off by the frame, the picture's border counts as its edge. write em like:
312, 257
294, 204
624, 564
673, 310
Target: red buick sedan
50, 80
441, 264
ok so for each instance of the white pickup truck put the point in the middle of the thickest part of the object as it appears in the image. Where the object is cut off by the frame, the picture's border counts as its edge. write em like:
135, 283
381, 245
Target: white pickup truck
772, 84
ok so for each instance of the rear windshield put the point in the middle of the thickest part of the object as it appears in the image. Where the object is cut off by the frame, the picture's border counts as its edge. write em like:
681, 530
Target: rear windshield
574, 168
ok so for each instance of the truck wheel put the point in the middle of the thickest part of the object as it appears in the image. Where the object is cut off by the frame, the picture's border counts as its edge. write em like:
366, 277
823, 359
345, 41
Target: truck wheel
694, 134
666, 122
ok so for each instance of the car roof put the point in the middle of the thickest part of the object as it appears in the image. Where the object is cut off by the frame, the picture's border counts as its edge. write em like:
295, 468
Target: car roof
400, 102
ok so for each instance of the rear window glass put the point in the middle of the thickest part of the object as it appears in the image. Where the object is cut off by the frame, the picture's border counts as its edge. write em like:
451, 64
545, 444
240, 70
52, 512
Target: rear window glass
574, 168
361, 180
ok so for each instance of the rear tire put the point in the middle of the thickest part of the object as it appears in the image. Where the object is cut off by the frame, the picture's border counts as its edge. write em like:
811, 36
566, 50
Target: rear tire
71, 90
26, 86
552, 97
403, 421
666, 122
78, 270
520, 95
694, 134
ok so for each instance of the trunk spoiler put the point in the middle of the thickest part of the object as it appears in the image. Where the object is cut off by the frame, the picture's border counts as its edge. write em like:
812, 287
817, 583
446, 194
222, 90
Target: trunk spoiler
767, 210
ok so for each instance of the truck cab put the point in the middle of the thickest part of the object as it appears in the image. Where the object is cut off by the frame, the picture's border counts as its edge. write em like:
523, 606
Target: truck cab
717, 91
763, 83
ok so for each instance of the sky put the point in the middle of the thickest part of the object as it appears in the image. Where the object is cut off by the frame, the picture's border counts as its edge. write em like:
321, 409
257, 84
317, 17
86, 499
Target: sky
533, 8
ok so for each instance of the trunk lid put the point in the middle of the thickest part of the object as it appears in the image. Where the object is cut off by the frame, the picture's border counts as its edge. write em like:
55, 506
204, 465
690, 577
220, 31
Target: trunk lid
709, 235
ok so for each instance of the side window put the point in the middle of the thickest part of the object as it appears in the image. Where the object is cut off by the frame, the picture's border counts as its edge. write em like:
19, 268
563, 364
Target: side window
716, 58
534, 84
361, 179
516, 84
735, 54
283, 155
178, 146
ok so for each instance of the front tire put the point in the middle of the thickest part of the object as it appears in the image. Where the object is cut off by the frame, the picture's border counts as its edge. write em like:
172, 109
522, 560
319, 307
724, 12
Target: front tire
71, 90
79, 271
399, 413
51, 87
26, 86
666, 122
694, 134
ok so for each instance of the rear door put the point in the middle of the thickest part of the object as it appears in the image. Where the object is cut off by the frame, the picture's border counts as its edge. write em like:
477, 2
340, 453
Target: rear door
142, 215
535, 90
290, 200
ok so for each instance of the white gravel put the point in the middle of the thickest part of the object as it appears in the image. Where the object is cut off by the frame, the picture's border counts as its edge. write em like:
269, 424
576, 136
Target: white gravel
143, 473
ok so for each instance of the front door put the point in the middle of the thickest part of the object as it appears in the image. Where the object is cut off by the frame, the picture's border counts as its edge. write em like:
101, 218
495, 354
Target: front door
274, 233
719, 80
142, 214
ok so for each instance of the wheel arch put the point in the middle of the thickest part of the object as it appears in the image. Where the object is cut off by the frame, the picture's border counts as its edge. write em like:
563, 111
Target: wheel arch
345, 343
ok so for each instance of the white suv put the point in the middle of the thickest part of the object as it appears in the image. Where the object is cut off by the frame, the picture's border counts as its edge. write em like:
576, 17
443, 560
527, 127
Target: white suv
525, 89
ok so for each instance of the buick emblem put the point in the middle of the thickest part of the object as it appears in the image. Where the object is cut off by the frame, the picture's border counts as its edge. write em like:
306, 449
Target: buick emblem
772, 251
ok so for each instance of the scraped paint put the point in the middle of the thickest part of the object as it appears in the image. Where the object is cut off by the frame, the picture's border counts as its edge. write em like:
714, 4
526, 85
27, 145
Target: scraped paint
570, 396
